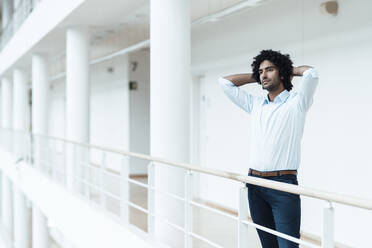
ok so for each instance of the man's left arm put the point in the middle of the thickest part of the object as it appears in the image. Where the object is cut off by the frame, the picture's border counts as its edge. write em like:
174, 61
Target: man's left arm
308, 85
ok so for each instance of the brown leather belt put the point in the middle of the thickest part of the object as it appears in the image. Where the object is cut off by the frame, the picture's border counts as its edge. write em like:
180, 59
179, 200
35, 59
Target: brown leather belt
272, 173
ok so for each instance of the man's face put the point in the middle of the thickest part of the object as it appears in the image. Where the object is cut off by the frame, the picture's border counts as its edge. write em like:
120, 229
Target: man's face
269, 76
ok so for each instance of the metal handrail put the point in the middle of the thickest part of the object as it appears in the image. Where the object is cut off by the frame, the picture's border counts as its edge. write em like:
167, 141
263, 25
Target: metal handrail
294, 189
74, 151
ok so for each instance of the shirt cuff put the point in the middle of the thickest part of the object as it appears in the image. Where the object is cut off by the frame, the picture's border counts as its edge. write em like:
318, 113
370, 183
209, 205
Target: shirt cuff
312, 71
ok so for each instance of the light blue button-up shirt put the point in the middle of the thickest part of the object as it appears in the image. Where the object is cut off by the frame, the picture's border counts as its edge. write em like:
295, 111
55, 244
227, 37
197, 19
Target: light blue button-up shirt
276, 128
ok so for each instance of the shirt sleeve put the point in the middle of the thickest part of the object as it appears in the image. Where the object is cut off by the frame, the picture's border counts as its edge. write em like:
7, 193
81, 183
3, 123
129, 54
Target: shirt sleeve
307, 89
238, 96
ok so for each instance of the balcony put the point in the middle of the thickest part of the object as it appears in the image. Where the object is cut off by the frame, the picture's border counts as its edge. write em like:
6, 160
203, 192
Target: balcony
99, 177
14, 18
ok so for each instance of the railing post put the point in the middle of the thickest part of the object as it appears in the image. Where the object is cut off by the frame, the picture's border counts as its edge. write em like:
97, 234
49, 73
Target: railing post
124, 190
79, 175
54, 161
36, 153
151, 198
31, 150
328, 227
15, 143
102, 196
27, 148
24, 146
85, 165
65, 159
70, 166
42, 154
48, 157
243, 216
188, 208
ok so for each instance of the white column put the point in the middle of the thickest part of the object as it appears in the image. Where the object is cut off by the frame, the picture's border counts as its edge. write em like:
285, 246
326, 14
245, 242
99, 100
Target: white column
126, 161
7, 9
1, 173
77, 93
21, 217
6, 111
7, 205
170, 86
20, 105
40, 92
7, 213
21, 220
6, 103
40, 235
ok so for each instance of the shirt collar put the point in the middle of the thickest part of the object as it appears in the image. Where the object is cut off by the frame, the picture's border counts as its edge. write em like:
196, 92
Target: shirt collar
282, 97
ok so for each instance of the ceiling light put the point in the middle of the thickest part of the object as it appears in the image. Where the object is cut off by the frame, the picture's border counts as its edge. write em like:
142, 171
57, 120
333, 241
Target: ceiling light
247, 4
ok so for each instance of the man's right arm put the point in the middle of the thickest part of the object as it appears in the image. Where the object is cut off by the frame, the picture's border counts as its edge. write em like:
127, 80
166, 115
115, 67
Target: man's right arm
241, 79
240, 97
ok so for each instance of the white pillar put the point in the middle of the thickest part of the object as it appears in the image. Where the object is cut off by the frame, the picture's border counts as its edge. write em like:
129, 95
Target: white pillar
7, 9
20, 105
7, 213
21, 217
1, 173
40, 92
6, 103
77, 93
1, 109
7, 205
21, 220
170, 86
40, 234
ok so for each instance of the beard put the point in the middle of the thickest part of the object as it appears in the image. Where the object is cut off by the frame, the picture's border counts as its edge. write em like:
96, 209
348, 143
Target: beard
271, 86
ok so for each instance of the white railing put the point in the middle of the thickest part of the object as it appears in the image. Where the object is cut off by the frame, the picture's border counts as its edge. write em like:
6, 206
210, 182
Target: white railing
84, 169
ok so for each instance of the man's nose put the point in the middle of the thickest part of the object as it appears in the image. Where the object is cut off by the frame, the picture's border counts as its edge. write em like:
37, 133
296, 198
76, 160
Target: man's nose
263, 75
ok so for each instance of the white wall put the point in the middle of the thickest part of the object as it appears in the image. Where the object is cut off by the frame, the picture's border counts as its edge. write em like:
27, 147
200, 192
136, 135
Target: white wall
109, 123
113, 124
139, 102
336, 142
109, 107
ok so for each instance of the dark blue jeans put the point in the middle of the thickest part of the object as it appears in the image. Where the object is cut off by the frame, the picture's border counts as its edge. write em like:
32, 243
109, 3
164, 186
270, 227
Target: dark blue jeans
277, 210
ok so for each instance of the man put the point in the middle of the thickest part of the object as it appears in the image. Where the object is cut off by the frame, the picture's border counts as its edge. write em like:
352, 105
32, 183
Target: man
277, 123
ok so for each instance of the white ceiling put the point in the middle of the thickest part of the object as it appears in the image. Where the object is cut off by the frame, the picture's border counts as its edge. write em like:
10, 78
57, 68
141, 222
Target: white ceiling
109, 17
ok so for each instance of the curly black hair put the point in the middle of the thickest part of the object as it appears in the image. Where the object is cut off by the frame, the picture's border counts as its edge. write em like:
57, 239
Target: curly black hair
281, 61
